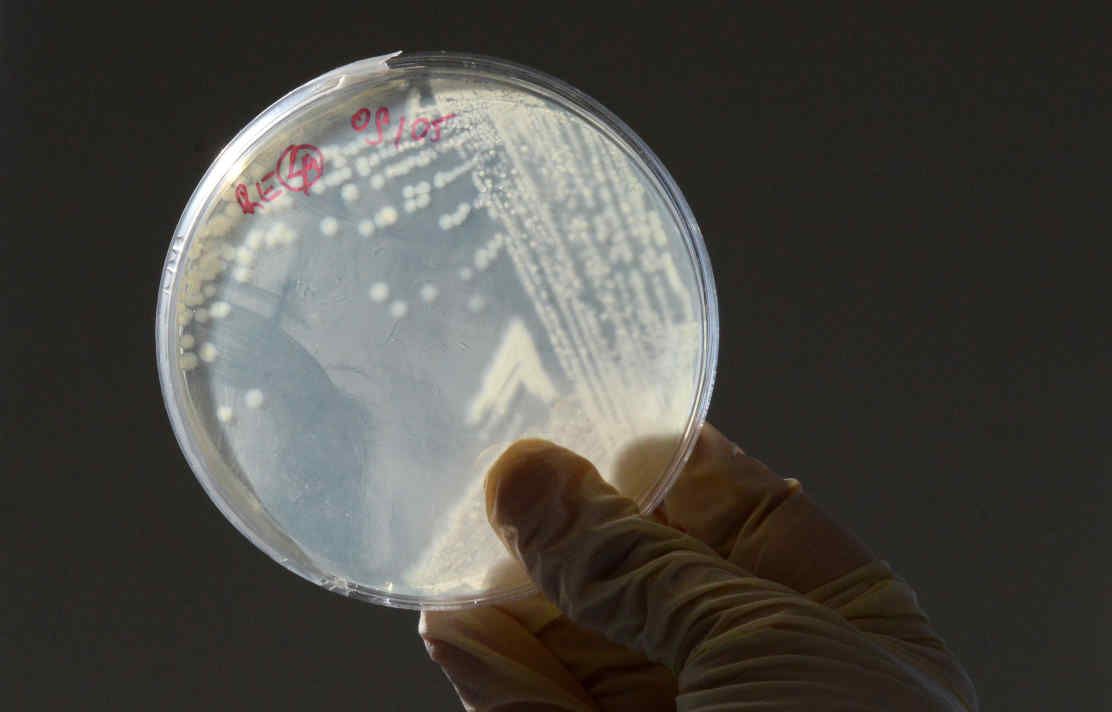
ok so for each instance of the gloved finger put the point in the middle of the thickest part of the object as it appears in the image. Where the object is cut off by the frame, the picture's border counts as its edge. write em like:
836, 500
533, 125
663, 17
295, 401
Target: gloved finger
642, 584
617, 678
494, 662
758, 520
482, 653
613, 676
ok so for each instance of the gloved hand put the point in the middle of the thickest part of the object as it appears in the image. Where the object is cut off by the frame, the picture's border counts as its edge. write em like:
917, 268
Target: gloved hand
739, 593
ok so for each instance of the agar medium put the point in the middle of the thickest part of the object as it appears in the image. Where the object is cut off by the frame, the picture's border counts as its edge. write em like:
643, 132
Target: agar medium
396, 271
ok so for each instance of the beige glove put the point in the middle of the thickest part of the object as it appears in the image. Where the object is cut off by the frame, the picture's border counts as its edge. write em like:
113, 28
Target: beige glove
743, 592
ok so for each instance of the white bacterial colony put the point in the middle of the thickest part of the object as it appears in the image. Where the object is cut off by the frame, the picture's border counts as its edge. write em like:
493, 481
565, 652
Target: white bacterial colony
254, 398
379, 292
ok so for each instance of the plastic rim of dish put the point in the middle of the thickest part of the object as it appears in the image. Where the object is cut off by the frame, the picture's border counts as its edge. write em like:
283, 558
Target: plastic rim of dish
202, 456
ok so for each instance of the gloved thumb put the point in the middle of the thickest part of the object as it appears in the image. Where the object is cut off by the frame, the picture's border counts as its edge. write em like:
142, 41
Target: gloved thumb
642, 584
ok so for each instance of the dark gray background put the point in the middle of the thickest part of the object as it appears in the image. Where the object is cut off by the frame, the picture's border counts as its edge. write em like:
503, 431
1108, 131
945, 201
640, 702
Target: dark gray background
907, 216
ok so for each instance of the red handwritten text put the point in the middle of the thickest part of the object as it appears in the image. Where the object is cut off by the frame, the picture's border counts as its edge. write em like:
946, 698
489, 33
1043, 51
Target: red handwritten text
420, 129
299, 166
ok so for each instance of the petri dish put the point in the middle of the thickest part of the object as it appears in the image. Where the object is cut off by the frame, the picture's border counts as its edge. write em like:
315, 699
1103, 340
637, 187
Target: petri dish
394, 272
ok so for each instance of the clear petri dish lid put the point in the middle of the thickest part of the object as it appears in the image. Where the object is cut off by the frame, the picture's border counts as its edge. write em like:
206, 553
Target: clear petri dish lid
397, 270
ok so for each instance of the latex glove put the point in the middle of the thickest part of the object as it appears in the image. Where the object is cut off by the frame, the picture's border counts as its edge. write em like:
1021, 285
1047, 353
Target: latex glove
739, 593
